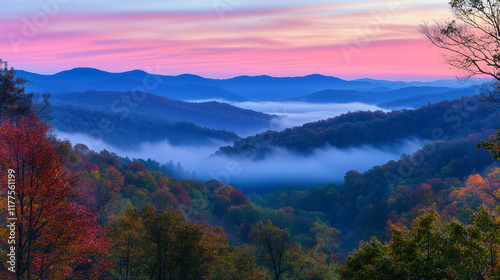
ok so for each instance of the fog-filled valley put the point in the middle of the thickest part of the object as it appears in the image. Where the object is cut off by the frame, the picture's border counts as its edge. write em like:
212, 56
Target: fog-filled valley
259, 145
309, 158
281, 168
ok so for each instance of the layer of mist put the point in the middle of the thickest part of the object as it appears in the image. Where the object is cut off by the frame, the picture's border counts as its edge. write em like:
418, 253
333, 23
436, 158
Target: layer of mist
280, 169
298, 113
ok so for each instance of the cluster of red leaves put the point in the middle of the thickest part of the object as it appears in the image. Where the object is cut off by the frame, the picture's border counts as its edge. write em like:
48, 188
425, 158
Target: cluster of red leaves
56, 238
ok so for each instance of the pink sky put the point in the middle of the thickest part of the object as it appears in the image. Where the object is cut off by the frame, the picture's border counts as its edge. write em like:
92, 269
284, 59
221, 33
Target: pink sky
354, 39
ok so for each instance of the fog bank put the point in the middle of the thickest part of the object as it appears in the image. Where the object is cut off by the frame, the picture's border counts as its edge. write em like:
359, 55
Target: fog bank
298, 113
281, 168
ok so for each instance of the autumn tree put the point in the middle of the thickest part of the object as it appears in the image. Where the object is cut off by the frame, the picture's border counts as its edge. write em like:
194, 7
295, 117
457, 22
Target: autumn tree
54, 237
128, 252
486, 189
327, 241
237, 263
165, 245
106, 187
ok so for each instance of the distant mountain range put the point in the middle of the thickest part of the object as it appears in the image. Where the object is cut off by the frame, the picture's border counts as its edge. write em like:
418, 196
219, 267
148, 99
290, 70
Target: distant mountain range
148, 107
408, 97
192, 87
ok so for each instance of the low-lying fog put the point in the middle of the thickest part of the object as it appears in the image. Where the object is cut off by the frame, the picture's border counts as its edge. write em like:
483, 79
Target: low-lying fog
298, 113
281, 168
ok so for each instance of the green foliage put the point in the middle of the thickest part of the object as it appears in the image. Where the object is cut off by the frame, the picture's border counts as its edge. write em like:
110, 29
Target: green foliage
431, 250
274, 247
164, 245
492, 146
286, 259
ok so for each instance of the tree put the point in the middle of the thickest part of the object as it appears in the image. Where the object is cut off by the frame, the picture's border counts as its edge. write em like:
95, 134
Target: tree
493, 146
54, 237
274, 245
431, 250
472, 44
152, 244
471, 39
237, 263
327, 241
14, 101
128, 250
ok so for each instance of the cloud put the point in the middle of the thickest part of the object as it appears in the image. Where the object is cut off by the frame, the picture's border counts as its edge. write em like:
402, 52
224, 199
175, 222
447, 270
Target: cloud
291, 38
161, 151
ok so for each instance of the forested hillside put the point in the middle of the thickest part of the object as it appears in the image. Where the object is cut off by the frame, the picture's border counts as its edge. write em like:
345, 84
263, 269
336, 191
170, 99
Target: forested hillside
444, 120
222, 233
406, 97
149, 107
131, 132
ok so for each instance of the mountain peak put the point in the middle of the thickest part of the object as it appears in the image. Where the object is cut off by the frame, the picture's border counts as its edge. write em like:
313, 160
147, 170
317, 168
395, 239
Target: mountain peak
82, 73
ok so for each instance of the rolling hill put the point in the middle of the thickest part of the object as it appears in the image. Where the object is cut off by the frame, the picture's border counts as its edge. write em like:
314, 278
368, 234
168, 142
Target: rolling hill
407, 97
150, 107
130, 133
455, 119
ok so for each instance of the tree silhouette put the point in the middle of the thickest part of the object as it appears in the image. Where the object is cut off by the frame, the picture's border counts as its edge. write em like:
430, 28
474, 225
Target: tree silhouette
14, 101
471, 41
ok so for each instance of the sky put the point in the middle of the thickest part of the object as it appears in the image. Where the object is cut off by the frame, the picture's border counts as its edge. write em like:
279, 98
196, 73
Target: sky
226, 38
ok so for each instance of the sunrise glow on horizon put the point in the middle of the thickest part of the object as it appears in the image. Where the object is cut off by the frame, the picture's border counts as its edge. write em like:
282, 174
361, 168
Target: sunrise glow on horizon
226, 38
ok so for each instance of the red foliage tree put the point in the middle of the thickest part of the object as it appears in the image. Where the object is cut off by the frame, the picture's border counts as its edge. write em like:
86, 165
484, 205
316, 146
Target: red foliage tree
55, 237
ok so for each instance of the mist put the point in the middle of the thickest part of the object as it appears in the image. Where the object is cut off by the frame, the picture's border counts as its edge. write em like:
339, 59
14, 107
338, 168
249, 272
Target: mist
298, 113
285, 168
279, 169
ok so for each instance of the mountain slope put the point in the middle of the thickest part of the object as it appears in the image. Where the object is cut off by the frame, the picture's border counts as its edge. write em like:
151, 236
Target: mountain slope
85, 79
337, 96
417, 101
146, 106
373, 128
129, 132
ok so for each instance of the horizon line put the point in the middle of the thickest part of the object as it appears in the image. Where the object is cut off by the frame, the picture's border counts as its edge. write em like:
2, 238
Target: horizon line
409, 80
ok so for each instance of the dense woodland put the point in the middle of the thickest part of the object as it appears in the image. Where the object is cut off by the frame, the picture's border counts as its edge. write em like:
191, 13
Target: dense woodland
439, 121
73, 213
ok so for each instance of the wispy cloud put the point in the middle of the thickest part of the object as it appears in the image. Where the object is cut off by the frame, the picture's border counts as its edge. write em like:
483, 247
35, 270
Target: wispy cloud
255, 37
